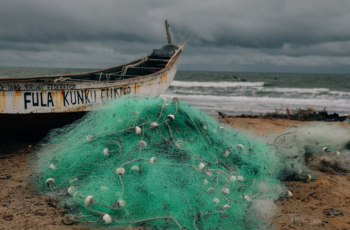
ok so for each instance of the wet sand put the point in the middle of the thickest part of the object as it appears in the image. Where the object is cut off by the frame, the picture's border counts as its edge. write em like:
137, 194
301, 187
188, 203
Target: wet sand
21, 208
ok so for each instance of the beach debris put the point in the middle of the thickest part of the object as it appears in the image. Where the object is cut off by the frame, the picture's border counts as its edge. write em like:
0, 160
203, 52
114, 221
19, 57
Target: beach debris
224, 115
50, 204
289, 194
309, 114
53, 167
334, 212
325, 149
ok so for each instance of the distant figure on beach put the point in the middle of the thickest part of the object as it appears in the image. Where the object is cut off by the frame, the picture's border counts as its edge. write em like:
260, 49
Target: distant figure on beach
238, 79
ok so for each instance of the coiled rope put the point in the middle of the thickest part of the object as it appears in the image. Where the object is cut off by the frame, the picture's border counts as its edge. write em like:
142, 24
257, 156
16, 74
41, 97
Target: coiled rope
125, 68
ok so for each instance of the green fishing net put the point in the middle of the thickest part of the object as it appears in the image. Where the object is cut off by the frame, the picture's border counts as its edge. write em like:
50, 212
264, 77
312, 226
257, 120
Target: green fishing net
141, 161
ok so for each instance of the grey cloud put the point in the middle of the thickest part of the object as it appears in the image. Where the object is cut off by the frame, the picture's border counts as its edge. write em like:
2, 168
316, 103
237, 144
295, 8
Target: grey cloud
223, 34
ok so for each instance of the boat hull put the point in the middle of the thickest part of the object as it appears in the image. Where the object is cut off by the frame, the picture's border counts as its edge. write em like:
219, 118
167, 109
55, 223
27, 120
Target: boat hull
67, 96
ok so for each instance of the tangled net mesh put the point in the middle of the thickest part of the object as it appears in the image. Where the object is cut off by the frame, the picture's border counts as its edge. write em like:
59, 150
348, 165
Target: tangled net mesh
149, 161
318, 146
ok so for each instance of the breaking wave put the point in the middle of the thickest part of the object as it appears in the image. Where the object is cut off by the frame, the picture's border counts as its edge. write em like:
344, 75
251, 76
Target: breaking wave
222, 84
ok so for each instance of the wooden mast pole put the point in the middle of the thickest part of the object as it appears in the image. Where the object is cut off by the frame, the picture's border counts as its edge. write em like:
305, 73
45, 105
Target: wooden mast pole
167, 32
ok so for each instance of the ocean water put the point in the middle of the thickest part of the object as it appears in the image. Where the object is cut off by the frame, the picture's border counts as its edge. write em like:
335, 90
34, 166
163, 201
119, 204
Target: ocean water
260, 93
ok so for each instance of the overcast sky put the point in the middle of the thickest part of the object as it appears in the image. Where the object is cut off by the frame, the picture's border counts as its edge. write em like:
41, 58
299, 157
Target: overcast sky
235, 35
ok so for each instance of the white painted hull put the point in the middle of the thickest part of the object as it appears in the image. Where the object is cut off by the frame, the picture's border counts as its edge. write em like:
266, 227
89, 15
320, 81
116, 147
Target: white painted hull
21, 97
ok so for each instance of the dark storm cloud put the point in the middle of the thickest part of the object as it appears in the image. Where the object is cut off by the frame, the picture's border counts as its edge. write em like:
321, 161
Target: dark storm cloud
229, 35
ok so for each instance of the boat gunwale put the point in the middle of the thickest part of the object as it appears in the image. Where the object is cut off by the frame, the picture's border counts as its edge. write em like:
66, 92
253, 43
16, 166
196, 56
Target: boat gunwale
170, 63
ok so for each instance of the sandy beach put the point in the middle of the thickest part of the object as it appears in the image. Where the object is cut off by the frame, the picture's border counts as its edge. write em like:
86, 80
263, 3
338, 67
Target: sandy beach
21, 208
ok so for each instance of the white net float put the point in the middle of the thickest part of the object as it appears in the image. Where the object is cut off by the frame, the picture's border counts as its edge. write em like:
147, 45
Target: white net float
53, 167
171, 117
325, 149
135, 167
226, 153
68, 219
175, 99
71, 190
137, 130
77, 194
240, 178
153, 160
89, 201
89, 138
233, 179
225, 190
180, 144
121, 203
204, 127
290, 194
141, 145
308, 178
216, 200
246, 197
337, 153
72, 181
209, 173
205, 182
120, 171
50, 182
154, 124
201, 166
240, 146
107, 219
106, 152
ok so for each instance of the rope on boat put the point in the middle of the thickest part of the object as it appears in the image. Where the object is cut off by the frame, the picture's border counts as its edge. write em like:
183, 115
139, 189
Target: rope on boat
125, 68
62, 79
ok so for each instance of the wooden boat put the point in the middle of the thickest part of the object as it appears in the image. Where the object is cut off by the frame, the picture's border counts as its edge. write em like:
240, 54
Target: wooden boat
46, 102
